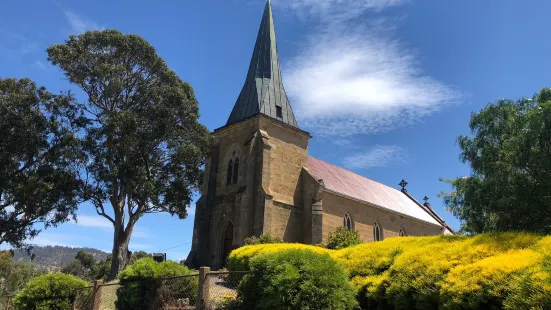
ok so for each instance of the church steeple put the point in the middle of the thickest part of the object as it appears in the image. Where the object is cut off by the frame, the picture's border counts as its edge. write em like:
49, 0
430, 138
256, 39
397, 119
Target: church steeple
263, 91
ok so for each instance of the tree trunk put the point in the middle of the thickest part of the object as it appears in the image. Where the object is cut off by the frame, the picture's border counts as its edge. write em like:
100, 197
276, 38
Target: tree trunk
121, 255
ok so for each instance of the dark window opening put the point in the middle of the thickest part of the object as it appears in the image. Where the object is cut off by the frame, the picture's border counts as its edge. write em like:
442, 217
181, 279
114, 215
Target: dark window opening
279, 112
229, 173
347, 222
377, 235
235, 170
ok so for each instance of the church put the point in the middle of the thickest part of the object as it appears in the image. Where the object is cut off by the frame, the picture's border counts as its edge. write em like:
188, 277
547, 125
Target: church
259, 178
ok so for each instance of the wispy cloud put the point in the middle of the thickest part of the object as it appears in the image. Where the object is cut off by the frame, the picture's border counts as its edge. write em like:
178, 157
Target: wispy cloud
93, 221
14, 45
78, 22
96, 221
139, 246
378, 156
141, 233
45, 239
39, 65
353, 76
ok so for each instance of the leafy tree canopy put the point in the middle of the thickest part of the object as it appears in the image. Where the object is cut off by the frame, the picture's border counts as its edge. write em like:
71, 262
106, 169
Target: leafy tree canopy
142, 138
39, 181
510, 159
14, 275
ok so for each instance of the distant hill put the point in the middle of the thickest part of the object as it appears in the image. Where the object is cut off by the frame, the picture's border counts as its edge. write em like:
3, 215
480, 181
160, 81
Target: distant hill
56, 256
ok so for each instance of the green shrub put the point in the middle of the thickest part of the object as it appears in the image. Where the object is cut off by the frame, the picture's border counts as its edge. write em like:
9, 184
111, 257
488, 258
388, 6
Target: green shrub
486, 271
342, 238
140, 289
49, 291
263, 239
296, 279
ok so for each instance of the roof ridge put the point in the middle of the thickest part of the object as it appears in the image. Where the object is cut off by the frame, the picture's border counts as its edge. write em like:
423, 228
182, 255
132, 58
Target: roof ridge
341, 168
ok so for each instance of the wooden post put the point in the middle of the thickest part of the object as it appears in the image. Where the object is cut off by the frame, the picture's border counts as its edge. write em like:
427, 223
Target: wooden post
203, 290
95, 295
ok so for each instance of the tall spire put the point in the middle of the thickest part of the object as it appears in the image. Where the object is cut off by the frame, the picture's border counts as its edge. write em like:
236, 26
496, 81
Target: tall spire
263, 91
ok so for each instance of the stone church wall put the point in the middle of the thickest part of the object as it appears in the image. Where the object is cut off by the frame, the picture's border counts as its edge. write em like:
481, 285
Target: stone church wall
288, 155
285, 221
364, 217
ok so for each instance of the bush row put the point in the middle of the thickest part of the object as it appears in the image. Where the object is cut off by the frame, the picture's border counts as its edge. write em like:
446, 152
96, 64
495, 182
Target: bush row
488, 271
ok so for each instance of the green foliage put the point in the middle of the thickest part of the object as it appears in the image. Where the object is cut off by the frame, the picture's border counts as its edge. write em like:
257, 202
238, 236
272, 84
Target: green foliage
342, 238
137, 256
142, 139
510, 159
139, 293
50, 291
38, 151
85, 266
86, 259
14, 275
76, 269
263, 239
296, 279
486, 271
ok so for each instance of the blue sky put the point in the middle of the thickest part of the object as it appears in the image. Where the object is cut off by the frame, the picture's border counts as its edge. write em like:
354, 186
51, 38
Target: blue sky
384, 86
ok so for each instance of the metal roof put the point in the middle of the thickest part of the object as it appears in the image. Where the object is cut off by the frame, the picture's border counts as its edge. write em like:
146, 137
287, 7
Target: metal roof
350, 184
263, 90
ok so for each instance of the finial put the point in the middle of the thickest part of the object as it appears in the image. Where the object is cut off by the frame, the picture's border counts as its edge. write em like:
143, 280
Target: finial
426, 199
403, 184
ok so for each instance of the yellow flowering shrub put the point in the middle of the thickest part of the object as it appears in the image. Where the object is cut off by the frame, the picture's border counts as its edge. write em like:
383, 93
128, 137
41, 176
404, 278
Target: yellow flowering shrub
486, 283
494, 270
238, 259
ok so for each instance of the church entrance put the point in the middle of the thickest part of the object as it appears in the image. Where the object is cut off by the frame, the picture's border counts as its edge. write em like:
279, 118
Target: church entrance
227, 244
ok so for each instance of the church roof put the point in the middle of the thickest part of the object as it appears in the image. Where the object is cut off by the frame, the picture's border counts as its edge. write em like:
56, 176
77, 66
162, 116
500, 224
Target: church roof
353, 185
263, 90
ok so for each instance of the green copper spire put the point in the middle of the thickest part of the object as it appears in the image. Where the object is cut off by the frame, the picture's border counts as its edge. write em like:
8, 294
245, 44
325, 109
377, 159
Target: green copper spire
263, 91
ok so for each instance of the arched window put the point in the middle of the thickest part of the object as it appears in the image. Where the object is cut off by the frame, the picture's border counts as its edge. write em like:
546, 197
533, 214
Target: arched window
347, 222
377, 234
229, 173
235, 170
402, 232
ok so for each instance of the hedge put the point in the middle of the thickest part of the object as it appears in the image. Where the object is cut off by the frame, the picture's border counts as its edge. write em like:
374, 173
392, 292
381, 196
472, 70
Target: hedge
295, 279
494, 270
49, 291
141, 287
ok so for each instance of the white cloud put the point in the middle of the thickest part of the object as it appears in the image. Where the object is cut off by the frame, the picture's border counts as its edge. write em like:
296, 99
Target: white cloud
79, 23
44, 239
353, 77
94, 221
39, 65
139, 246
335, 11
378, 156
140, 233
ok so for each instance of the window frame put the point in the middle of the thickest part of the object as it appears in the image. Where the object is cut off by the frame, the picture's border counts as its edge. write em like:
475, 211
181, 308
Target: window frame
229, 172
348, 219
235, 176
402, 232
377, 232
